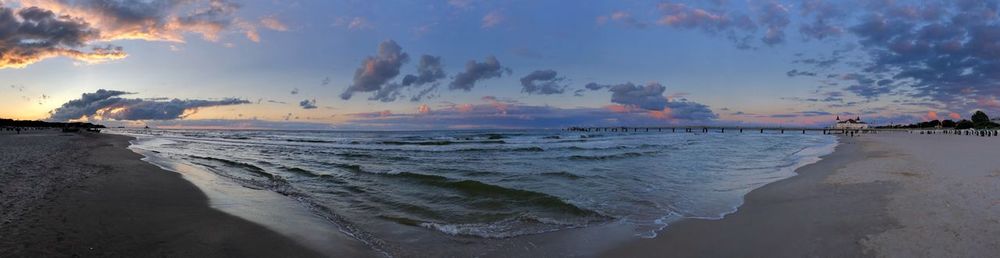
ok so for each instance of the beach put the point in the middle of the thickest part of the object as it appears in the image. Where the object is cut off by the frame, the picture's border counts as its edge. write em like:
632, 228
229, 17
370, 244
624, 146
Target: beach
877, 195
83, 194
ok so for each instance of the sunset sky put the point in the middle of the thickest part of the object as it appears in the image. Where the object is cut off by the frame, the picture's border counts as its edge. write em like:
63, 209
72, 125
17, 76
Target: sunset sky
495, 64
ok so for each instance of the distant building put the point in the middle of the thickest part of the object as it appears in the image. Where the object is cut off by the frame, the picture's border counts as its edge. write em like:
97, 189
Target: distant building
850, 124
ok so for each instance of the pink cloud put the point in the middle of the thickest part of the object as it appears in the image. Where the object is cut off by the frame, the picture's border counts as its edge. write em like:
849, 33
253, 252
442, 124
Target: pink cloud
493, 19
931, 115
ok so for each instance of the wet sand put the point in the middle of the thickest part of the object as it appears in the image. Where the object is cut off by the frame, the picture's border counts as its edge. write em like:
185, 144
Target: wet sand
82, 194
885, 195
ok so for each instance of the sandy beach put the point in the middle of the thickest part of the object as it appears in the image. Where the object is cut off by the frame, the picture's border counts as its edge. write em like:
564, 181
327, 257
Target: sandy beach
84, 194
884, 195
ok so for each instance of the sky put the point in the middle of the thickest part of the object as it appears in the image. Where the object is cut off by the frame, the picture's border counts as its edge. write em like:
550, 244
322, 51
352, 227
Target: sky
464, 64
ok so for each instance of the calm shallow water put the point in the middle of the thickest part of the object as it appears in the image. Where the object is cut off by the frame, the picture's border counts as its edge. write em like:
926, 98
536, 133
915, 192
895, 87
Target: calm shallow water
400, 191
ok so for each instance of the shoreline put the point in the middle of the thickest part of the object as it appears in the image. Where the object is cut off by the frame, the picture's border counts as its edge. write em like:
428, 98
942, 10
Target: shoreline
882, 195
82, 194
794, 217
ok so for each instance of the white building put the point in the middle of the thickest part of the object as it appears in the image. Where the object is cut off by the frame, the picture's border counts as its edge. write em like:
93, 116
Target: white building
850, 124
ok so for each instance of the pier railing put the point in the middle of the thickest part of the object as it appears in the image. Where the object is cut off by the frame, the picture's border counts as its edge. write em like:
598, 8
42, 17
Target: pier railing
783, 130
726, 129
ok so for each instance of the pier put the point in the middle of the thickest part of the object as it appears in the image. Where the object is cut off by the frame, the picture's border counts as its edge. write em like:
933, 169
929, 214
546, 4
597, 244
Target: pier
783, 130
726, 129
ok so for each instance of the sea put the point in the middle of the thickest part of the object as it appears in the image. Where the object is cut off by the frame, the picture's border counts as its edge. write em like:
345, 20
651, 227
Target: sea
401, 191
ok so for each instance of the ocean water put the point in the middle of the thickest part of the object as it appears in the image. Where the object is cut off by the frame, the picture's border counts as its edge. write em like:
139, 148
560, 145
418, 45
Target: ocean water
403, 190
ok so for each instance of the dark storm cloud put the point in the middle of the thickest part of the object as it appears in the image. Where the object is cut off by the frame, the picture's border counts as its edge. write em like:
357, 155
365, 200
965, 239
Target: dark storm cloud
106, 104
32, 34
543, 82
308, 104
429, 70
376, 71
476, 71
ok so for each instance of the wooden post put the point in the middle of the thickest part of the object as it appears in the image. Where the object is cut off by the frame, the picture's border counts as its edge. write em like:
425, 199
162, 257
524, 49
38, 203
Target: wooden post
741, 130
782, 131
762, 130
723, 130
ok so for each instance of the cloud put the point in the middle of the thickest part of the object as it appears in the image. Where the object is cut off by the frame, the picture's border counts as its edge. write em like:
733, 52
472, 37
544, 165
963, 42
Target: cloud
824, 14
649, 97
308, 104
595, 86
622, 17
796, 72
33, 34
429, 70
246, 124
735, 26
154, 20
375, 71
388, 93
42, 29
492, 19
774, 17
498, 113
946, 52
867, 87
475, 72
107, 104
542, 82
295, 91
424, 93
273, 23
353, 23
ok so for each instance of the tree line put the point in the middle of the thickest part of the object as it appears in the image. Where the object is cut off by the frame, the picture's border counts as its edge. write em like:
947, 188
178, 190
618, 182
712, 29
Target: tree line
979, 120
33, 123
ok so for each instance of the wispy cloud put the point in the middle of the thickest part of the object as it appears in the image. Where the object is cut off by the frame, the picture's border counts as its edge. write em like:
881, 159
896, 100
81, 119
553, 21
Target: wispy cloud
493, 18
